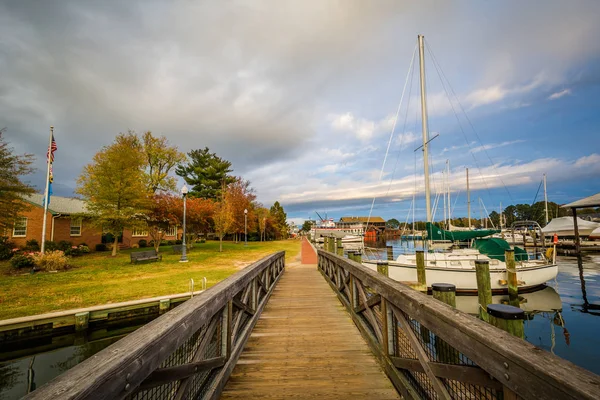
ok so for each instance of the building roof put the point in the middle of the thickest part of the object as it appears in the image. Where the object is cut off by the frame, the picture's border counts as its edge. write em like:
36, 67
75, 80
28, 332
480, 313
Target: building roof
592, 201
59, 205
362, 219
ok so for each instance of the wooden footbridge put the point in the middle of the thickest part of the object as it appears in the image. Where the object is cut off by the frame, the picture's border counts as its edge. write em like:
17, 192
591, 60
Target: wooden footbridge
326, 329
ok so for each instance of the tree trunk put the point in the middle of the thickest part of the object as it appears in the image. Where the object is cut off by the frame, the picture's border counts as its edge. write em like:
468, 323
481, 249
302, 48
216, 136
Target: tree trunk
115, 246
220, 243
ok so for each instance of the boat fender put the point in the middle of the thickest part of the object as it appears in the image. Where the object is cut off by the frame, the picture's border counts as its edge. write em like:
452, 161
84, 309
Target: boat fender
549, 252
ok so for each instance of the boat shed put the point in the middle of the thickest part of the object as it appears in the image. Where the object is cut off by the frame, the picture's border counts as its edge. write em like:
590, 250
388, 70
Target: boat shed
588, 202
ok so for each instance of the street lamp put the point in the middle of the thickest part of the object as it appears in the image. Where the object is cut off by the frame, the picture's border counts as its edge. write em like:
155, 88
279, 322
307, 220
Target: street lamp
245, 227
184, 192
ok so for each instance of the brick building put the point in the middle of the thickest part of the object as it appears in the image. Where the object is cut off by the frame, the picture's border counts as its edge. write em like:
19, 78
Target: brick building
64, 222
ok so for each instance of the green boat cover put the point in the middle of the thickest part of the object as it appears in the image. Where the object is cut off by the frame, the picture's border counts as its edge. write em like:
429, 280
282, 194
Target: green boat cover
435, 233
495, 247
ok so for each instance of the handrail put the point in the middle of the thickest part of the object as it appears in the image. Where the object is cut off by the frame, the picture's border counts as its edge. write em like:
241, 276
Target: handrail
188, 352
429, 349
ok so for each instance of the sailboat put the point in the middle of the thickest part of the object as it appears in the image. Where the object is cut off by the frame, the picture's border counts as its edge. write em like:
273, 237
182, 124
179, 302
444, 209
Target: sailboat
457, 266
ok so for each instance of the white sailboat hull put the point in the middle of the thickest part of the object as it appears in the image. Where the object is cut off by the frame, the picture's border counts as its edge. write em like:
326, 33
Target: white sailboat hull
529, 276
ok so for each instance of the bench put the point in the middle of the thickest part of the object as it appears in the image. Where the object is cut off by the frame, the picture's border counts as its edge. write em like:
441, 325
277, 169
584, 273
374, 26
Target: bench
146, 255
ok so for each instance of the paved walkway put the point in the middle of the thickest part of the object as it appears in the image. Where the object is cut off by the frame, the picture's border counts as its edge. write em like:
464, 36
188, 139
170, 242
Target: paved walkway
305, 346
307, 253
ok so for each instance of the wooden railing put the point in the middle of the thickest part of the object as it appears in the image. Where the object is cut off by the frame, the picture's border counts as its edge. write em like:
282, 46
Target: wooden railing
188, 353
431, 350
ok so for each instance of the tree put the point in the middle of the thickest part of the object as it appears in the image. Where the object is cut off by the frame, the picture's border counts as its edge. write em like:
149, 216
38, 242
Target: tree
205, 173
223, 216
261, 217
279, 218
241, 197
392, 223
163, 213
12, 189
307, 226
161, 158
114, 186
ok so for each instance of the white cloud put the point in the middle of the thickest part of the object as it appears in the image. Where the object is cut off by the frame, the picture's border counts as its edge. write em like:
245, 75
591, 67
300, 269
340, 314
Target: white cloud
560, 94
364, 129
494, 145
486, 96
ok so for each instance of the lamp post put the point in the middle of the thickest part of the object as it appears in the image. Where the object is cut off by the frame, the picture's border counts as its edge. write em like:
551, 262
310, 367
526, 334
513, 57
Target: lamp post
184, 192
245, 227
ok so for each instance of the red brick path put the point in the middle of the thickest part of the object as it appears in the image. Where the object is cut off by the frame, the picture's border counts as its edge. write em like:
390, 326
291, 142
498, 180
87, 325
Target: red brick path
309, 256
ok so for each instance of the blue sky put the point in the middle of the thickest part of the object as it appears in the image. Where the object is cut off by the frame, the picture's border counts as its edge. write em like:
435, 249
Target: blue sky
301, 96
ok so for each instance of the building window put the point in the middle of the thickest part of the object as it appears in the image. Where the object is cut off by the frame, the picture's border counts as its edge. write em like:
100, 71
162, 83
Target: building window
20, 227
172, 231
75, 226
140, 232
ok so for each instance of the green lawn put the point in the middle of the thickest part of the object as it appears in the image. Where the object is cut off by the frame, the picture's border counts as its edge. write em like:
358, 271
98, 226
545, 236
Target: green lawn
98, 278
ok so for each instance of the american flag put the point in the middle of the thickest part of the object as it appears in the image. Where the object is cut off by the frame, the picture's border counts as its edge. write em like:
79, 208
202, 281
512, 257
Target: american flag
51, 150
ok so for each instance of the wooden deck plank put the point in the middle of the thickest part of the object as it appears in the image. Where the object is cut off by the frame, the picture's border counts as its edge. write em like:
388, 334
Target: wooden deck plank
305, 345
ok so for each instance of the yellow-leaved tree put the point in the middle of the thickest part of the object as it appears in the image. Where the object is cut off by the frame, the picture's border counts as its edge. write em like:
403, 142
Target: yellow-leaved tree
223, 217
115, 188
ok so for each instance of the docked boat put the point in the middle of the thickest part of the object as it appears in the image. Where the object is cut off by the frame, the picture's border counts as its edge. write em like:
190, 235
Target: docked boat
457, 266
563, 227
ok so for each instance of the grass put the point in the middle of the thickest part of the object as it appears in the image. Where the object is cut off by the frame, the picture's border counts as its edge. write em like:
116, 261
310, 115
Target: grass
98, 278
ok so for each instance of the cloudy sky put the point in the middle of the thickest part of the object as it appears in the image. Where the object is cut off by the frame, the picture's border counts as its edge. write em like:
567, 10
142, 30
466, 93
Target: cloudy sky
302, 96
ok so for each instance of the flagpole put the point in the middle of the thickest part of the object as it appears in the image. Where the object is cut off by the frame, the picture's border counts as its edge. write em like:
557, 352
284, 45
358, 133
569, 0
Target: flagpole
48, 158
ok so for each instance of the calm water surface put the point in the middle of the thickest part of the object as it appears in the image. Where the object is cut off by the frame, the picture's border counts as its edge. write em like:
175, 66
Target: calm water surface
564, 319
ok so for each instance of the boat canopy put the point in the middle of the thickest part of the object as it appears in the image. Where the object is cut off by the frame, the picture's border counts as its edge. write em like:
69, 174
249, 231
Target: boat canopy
435, 233
495, 248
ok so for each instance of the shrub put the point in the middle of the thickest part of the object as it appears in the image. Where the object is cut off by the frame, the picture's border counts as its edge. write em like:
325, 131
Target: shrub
101, 247
32, 245
64, 245
163, 243
6, 248
143, 243
51, 261
77, 250
170, 242
50, 246
202, 240
135, 246
151, 243
178, 241
22, 260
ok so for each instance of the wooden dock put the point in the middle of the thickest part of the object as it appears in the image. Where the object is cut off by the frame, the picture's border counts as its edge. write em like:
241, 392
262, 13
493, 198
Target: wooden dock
305, 345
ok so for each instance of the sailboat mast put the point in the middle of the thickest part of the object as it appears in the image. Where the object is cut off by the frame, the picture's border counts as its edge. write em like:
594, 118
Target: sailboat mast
448, 190
545, 199
468, 200
424, 125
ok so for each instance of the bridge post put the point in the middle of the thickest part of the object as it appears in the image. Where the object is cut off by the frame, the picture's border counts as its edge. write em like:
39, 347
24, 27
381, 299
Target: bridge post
226, 330
340, 248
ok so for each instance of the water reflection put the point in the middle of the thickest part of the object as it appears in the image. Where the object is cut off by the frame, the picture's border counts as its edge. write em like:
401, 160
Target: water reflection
561, 318
27, 365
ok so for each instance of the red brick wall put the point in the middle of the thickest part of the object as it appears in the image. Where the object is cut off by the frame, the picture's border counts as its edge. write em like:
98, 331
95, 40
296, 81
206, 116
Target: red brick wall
90, 234
35, 218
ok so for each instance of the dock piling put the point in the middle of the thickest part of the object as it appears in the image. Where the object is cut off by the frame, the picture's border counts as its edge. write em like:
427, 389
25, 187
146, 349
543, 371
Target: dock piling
81, 321
444, 292
421, 276
382, 268
484, 287
507, 318
511, 273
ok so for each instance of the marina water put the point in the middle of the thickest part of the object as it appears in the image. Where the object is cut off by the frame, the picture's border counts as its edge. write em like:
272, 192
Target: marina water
563, 318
